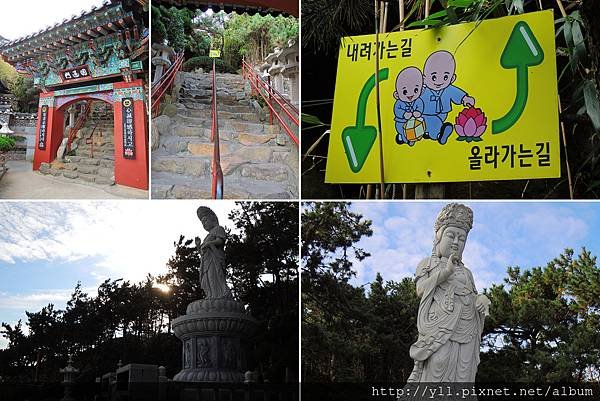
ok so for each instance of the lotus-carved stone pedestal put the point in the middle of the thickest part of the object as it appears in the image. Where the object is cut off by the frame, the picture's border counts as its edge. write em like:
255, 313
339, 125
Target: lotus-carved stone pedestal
213, 332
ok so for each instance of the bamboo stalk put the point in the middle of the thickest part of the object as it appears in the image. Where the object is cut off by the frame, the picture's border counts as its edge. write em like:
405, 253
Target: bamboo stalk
562, 124
377, 99
314, 145
563, 12
564, 138
424, 191
385, 17
401, 10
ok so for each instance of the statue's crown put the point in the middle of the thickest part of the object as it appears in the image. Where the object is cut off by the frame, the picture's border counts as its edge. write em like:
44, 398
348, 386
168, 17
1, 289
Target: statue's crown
206, 211
455, 215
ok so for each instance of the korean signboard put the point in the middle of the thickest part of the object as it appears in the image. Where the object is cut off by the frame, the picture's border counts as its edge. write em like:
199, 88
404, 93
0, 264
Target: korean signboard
80, 72
461, 103
43, 128
128, 130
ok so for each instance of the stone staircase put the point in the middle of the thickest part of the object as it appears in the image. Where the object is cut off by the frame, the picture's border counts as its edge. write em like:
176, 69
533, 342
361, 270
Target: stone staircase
257, 159
87, 163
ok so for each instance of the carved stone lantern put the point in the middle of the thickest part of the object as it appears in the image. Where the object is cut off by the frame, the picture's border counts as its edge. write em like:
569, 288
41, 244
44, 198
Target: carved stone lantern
68, 379
290, 57
161, 61
275, 70
264, 70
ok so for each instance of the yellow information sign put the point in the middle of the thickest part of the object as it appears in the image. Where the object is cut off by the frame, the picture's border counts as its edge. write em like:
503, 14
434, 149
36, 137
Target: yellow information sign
468, 102
214, 53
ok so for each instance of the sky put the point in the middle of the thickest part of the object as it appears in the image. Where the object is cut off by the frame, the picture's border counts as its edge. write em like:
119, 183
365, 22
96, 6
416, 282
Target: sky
524, 234
47, 247
23, 17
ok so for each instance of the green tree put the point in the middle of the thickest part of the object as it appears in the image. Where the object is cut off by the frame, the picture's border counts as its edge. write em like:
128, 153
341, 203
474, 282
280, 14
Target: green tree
255, 36
20, 86
262, 261
333, 311
182, 277
544, 323
172, 25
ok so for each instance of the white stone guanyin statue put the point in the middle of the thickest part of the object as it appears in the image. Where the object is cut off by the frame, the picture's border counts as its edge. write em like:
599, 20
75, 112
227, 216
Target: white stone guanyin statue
212, 256
451, 313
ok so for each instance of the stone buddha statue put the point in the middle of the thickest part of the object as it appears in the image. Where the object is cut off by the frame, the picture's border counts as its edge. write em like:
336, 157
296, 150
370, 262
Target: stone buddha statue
451, 313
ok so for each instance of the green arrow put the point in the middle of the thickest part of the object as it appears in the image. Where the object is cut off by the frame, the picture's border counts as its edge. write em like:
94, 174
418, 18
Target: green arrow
358, 140
521, 52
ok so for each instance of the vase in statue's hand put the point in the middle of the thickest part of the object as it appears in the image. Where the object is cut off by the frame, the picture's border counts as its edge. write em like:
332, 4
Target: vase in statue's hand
482, 304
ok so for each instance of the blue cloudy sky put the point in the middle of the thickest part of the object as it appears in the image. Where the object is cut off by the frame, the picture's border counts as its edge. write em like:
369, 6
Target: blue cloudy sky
524, 234
46, 247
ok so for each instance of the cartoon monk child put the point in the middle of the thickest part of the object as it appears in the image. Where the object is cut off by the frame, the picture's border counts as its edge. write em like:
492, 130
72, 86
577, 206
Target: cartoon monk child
439, 94
409, 84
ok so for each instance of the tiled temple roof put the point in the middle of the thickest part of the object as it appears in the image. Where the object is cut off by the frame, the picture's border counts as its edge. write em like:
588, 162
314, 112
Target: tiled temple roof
289, 7
96, 22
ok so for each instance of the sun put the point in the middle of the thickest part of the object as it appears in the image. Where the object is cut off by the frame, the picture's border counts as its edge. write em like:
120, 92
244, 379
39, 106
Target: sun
163, 287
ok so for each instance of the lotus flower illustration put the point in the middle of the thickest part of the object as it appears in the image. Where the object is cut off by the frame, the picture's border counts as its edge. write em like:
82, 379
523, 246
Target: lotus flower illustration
470, 124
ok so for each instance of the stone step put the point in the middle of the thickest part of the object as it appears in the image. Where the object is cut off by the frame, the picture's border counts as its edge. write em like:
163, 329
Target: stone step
260, 162
199, 122
204, 88
172, 145
177, 186
230, 142
205, 121
266, 171
80, 176
108, 149
222, 101
225, 125
193, 166
103, 162
97, 145
187, 131
249, 116
193, 93
247, 127
204, 110
100, 155
246, 132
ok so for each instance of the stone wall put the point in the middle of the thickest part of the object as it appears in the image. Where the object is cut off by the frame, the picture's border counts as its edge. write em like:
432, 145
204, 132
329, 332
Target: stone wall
24, 124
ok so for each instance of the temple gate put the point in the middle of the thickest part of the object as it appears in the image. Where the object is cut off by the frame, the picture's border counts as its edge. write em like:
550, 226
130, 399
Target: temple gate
98, 55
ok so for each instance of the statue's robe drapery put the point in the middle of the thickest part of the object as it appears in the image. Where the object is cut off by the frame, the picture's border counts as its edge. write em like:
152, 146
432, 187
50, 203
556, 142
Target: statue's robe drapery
212, 267
449, 325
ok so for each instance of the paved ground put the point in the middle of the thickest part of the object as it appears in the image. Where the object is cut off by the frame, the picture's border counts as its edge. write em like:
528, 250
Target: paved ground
21, 182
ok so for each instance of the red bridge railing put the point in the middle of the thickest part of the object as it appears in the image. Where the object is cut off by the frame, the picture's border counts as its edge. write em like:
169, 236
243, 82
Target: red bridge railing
217, 172
165, 83
272, 97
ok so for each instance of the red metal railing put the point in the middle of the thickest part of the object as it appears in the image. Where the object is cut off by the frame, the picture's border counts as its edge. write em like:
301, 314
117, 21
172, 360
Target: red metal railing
90, 140
87, 108
165, 83
217, 172
272, 97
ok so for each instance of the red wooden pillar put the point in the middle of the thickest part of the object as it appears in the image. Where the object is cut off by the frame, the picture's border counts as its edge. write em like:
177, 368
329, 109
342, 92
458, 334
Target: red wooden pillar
50, 127
131, 170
